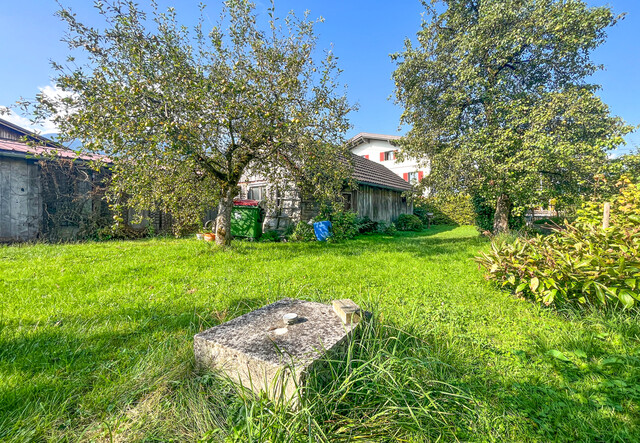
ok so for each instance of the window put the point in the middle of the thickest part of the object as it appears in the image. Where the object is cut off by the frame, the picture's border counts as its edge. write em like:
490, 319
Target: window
257, 193
346, 197
388, 155
413, 177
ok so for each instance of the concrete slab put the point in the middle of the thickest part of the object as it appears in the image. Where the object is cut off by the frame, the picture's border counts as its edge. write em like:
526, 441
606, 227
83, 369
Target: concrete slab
262, 352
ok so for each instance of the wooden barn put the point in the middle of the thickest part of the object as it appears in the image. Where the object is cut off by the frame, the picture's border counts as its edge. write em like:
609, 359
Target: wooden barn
379, 195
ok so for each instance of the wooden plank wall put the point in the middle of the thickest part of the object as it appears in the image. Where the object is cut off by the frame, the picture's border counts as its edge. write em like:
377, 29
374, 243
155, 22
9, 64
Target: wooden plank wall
380, 204
20, 199
9, 134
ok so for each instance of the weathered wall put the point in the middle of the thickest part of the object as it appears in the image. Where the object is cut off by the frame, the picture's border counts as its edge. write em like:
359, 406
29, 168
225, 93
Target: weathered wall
379, 204
60, 200
20, 199
283, 205
284, 208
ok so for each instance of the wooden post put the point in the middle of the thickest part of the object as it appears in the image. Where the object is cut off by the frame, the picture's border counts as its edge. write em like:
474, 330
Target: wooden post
605, 216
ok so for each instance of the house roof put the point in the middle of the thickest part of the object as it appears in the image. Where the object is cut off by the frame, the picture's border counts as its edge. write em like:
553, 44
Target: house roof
370, 173
23, 149
41, 146
364, 137
26, 133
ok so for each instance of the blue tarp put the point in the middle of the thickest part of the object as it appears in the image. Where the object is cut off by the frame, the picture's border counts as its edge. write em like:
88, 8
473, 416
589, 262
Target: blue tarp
322, 230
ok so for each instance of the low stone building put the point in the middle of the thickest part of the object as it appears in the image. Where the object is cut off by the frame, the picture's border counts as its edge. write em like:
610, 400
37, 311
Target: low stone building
49, 192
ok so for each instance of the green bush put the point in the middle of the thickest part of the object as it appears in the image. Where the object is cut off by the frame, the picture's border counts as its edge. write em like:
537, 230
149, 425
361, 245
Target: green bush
270, 236
302, 231
343, 223
386, 228
365, 225
408, 222
446, 209
582, 263
483, 214
625, 206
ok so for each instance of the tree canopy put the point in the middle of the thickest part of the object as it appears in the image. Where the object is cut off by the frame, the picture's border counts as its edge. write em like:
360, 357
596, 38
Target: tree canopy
183, 113
497, 96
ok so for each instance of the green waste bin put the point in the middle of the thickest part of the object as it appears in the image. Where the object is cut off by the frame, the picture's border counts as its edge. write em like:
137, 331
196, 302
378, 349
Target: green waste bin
246, 221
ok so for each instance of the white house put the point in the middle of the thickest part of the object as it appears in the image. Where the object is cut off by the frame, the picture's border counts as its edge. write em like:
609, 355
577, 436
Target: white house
382, 149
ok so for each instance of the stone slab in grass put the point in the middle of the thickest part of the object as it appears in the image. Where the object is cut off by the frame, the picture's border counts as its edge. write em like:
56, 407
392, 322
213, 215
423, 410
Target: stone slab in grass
261, 352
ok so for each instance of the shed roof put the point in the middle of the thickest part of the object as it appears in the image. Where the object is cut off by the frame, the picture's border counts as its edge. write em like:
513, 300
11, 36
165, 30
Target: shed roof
22, 132
39, 145
23, 149
370, 173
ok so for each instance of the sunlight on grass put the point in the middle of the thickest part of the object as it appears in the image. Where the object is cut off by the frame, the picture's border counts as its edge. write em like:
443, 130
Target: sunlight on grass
96, 341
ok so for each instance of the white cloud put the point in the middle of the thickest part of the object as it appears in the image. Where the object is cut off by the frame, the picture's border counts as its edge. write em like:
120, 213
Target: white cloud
44, 127
16, 119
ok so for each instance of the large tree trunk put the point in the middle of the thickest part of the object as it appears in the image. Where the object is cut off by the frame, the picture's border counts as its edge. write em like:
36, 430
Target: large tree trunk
223, 220
502, 215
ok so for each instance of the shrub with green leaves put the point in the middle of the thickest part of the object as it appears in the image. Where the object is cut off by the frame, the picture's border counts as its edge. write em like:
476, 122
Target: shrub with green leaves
386, 228
270, 236
343, 222
409, 222
365, 225
583, 264
302, 231
446, 209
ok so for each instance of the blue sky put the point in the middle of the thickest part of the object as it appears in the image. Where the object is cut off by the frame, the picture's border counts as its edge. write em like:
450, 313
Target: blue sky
363, 34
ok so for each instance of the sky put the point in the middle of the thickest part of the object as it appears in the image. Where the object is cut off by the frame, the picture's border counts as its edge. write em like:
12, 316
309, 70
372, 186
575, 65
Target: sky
362, 33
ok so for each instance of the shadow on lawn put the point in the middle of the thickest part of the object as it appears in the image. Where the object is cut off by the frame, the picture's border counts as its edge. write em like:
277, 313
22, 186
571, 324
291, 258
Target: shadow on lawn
421, 244
81, 365
571, 389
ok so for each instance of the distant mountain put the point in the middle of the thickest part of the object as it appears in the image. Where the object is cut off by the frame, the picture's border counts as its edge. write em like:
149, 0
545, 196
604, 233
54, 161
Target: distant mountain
75, 145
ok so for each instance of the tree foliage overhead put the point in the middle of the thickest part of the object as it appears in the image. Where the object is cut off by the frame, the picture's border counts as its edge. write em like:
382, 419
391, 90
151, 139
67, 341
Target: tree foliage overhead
185, 113
497, 96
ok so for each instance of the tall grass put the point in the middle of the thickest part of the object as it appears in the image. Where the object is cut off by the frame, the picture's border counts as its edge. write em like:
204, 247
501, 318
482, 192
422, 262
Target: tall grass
386, 388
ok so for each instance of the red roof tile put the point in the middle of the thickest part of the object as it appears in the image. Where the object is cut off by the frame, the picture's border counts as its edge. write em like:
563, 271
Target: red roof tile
23, 148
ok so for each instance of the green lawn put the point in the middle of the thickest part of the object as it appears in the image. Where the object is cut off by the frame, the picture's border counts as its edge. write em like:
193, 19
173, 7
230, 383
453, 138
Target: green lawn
96, 344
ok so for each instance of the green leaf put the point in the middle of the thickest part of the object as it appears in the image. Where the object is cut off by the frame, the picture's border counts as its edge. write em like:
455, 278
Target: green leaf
558, 355
625, 297
600, 294
534, 283
634, 218
631, 282
580, 353
612, 361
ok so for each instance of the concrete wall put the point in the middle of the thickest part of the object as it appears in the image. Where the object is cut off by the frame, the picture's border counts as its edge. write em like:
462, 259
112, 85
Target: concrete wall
20, 199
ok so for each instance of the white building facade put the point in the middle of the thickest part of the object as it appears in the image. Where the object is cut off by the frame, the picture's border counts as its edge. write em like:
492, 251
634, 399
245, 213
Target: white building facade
382, 149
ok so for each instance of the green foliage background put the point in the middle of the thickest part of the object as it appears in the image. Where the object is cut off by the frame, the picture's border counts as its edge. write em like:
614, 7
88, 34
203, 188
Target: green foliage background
447, 209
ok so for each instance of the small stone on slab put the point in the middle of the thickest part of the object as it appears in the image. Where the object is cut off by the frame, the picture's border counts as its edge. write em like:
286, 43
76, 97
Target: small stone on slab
261, 352
347, 310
